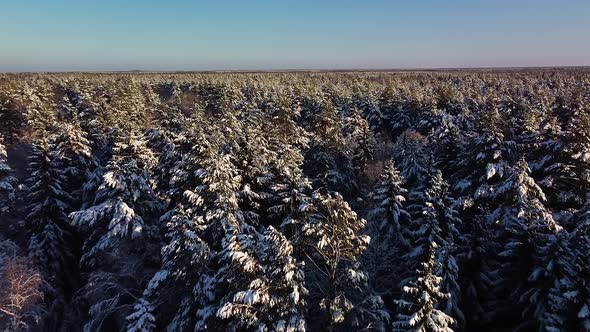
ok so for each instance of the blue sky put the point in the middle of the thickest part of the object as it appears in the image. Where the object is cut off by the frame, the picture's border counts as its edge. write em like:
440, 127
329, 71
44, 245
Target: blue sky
40, 35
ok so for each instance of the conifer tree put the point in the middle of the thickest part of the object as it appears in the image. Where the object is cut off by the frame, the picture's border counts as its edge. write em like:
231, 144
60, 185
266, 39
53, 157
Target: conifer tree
523, 199
412, 158
340, 293
388, 213
362, 143
290, 200
563, 159
484, 159
254, 155
435, 227
422, 295
368, 103
523, 221
51, 244
125, 204
47, 217
394, 111
185, 251
328, 127
580, 241
202, 223
388, 223
7, 181
445, 139
285, 113
552, 285
74, 156
476, 257
122, 233
273, 296
225, 226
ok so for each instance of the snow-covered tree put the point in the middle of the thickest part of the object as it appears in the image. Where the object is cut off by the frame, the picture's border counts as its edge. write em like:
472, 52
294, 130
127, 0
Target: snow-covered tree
182, 258
445, 139
254, 156
388, 227
122, 232
434, 226
185, 252
397, 117
557, 294
52, 246
328, 127
125, 206
225, 226
141, 319
523, 221
206, 214
290, 201
367, 101
285, 113
484, 159
421, 297
74, 155
580, 241
476, 257
389, 199
562, 161
361, 140
273, 295
552, 285
7, 181
288, 187
522, 208
340, 292
47, 220
39, 102
413, 158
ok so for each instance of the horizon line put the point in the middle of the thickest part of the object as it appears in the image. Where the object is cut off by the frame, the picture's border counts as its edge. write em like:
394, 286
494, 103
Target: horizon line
293, 70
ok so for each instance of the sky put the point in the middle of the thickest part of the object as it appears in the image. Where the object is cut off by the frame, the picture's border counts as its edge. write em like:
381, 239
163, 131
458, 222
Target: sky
113, 35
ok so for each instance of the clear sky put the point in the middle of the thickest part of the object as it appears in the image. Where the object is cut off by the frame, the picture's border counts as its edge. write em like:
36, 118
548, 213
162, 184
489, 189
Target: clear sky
58, 35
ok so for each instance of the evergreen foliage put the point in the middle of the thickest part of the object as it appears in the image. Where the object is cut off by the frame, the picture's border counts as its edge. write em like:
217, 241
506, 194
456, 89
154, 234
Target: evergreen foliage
237, 202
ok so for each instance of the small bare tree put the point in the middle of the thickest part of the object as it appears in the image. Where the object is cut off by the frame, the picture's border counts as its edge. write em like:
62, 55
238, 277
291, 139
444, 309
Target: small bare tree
20, 296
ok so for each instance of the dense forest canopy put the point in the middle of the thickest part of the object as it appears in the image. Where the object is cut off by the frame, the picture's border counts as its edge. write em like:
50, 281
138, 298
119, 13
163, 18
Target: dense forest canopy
345, 201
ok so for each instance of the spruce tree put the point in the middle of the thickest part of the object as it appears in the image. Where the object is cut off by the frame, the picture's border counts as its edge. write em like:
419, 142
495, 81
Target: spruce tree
7, 181
388, 223
580, 241
421, 297
434, 227
523, 221
51, 246
388, 214
362, 142
47, 218
273, 295
552, 285
485, 158
413, 159
225, 226
122, 234
74, 156
125, 206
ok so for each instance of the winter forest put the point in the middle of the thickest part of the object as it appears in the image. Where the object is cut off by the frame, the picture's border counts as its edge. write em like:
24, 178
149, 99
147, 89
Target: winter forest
304, 201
